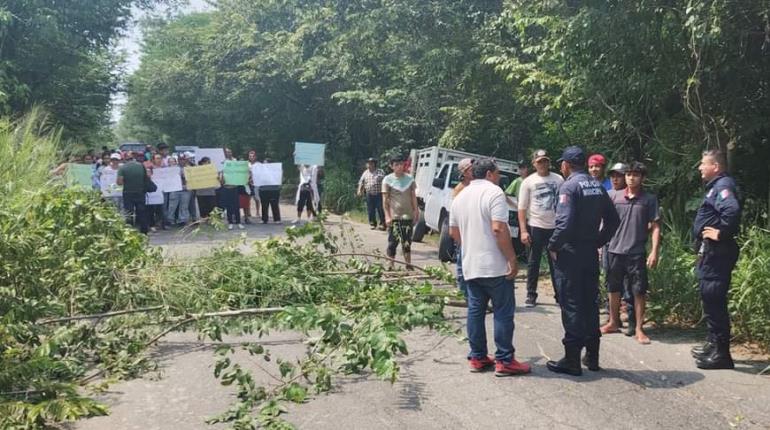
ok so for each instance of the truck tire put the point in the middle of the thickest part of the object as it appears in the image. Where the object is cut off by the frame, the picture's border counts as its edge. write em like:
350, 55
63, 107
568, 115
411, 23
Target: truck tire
446, 246
420, 228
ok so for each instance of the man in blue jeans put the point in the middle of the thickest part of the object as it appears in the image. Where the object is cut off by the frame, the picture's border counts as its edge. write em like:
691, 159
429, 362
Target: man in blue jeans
478, 221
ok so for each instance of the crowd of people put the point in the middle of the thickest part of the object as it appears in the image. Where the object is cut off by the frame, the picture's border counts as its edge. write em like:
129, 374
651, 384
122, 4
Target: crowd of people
585, 222
151, 209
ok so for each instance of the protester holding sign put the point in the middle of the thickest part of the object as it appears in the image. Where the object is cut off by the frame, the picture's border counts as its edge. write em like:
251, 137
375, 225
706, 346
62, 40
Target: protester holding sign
178, 212
307, 191
234, 173
267, 178
155, 200
206, 196
108, 182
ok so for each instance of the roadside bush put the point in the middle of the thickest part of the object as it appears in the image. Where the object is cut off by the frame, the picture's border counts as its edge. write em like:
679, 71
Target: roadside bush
749, 293
673, 295
340, 191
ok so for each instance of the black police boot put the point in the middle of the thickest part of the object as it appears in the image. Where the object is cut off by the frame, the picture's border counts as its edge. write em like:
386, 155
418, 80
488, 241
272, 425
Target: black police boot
719, 358
703, 350
591, 359
570, 364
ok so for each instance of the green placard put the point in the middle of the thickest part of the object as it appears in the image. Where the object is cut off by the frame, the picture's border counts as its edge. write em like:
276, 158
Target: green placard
236, 172
79, 175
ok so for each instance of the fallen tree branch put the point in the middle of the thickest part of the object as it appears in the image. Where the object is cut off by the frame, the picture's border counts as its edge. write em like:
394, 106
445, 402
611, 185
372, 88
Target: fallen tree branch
99, 316
381, 257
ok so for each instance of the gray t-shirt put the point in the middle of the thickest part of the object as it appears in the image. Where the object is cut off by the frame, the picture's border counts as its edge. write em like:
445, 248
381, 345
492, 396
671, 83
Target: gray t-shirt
635, 215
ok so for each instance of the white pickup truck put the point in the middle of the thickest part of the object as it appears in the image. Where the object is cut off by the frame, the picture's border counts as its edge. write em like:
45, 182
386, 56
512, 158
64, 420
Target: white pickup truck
435, 172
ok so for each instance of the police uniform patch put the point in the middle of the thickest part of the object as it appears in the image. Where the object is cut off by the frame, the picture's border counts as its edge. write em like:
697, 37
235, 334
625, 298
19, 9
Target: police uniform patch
563, 198
724, 194
708, 195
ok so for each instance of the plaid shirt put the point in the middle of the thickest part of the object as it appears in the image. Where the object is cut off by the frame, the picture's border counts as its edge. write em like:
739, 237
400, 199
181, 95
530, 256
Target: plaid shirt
371, 181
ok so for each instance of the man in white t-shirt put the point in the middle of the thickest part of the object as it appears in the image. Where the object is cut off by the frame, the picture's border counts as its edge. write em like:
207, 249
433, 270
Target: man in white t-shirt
478, 221
537, 211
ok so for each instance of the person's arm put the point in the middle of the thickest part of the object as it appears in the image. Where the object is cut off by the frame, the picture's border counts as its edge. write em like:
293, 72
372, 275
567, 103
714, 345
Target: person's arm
386, 203
499, 211
522, 206
565, 219
652, 259
610, 220
119, 181
360, 190
729, 211
454, 230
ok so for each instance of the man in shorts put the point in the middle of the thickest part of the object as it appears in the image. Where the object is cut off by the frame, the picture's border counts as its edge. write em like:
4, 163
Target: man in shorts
639, 217
401, 212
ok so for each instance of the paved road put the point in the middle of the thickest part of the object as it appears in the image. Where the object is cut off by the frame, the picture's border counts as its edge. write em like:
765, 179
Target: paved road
642, 387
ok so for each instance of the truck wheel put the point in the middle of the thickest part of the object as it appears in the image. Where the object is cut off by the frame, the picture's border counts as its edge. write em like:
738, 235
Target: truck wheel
446, 246
419, 229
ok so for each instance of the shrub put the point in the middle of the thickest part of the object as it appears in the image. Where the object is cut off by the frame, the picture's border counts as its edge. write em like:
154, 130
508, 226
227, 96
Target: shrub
339, 194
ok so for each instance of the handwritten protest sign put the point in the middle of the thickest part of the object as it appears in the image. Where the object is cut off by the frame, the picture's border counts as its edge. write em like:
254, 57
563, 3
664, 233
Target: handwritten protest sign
79, 175
216, 155
200, 177
236, 172
168, 179
267, 174
108, 182
309, 153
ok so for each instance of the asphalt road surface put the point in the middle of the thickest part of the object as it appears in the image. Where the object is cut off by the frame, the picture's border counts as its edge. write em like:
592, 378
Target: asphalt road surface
654, 386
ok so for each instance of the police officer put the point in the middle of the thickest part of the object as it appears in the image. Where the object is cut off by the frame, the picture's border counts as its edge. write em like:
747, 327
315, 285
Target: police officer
583, 208
716, 224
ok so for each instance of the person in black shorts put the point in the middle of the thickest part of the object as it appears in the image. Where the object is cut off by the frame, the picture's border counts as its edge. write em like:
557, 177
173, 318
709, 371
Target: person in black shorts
627, 251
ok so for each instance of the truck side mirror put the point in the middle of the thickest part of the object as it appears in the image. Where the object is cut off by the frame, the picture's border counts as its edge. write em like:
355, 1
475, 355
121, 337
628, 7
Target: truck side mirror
438, 183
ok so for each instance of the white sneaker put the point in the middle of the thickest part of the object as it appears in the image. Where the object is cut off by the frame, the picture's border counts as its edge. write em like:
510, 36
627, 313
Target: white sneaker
241, 226
277, 222
229, 226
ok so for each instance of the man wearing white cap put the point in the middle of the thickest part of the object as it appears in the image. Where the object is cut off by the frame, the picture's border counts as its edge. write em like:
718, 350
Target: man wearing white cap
537, 216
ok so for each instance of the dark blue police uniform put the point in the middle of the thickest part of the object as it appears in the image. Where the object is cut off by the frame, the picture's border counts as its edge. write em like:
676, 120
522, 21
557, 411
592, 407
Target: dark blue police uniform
720, 209
585, 221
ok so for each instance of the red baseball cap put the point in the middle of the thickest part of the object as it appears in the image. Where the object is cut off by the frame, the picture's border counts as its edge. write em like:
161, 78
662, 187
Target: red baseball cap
597, 159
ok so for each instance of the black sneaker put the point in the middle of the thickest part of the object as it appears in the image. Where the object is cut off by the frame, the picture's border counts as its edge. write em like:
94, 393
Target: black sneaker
531, 302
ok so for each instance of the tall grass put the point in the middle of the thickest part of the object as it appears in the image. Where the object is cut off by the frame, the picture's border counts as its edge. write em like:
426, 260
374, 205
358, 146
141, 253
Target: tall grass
749, 293
340, 190
28, 149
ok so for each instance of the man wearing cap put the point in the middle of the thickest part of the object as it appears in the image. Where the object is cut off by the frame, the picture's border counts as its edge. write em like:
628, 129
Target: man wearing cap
371, 183
513, 188
716, 225
617, 175
109, 191
626, 252
464, 167
596, 165
585, 221
537, 215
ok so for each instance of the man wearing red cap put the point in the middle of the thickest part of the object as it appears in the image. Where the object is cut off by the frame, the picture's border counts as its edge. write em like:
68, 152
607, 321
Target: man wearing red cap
596, 166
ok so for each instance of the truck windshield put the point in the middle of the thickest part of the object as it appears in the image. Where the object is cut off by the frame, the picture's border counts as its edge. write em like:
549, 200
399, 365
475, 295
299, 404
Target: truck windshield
505, 178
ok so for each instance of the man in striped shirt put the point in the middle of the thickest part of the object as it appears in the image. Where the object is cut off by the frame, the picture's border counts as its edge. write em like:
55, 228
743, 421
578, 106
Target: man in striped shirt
371, 184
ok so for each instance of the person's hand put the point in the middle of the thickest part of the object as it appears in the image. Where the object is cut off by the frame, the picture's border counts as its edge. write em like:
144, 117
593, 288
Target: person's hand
711, 233
359, 193
513, 269
525, 238
652, 260
388, 221
553, 255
